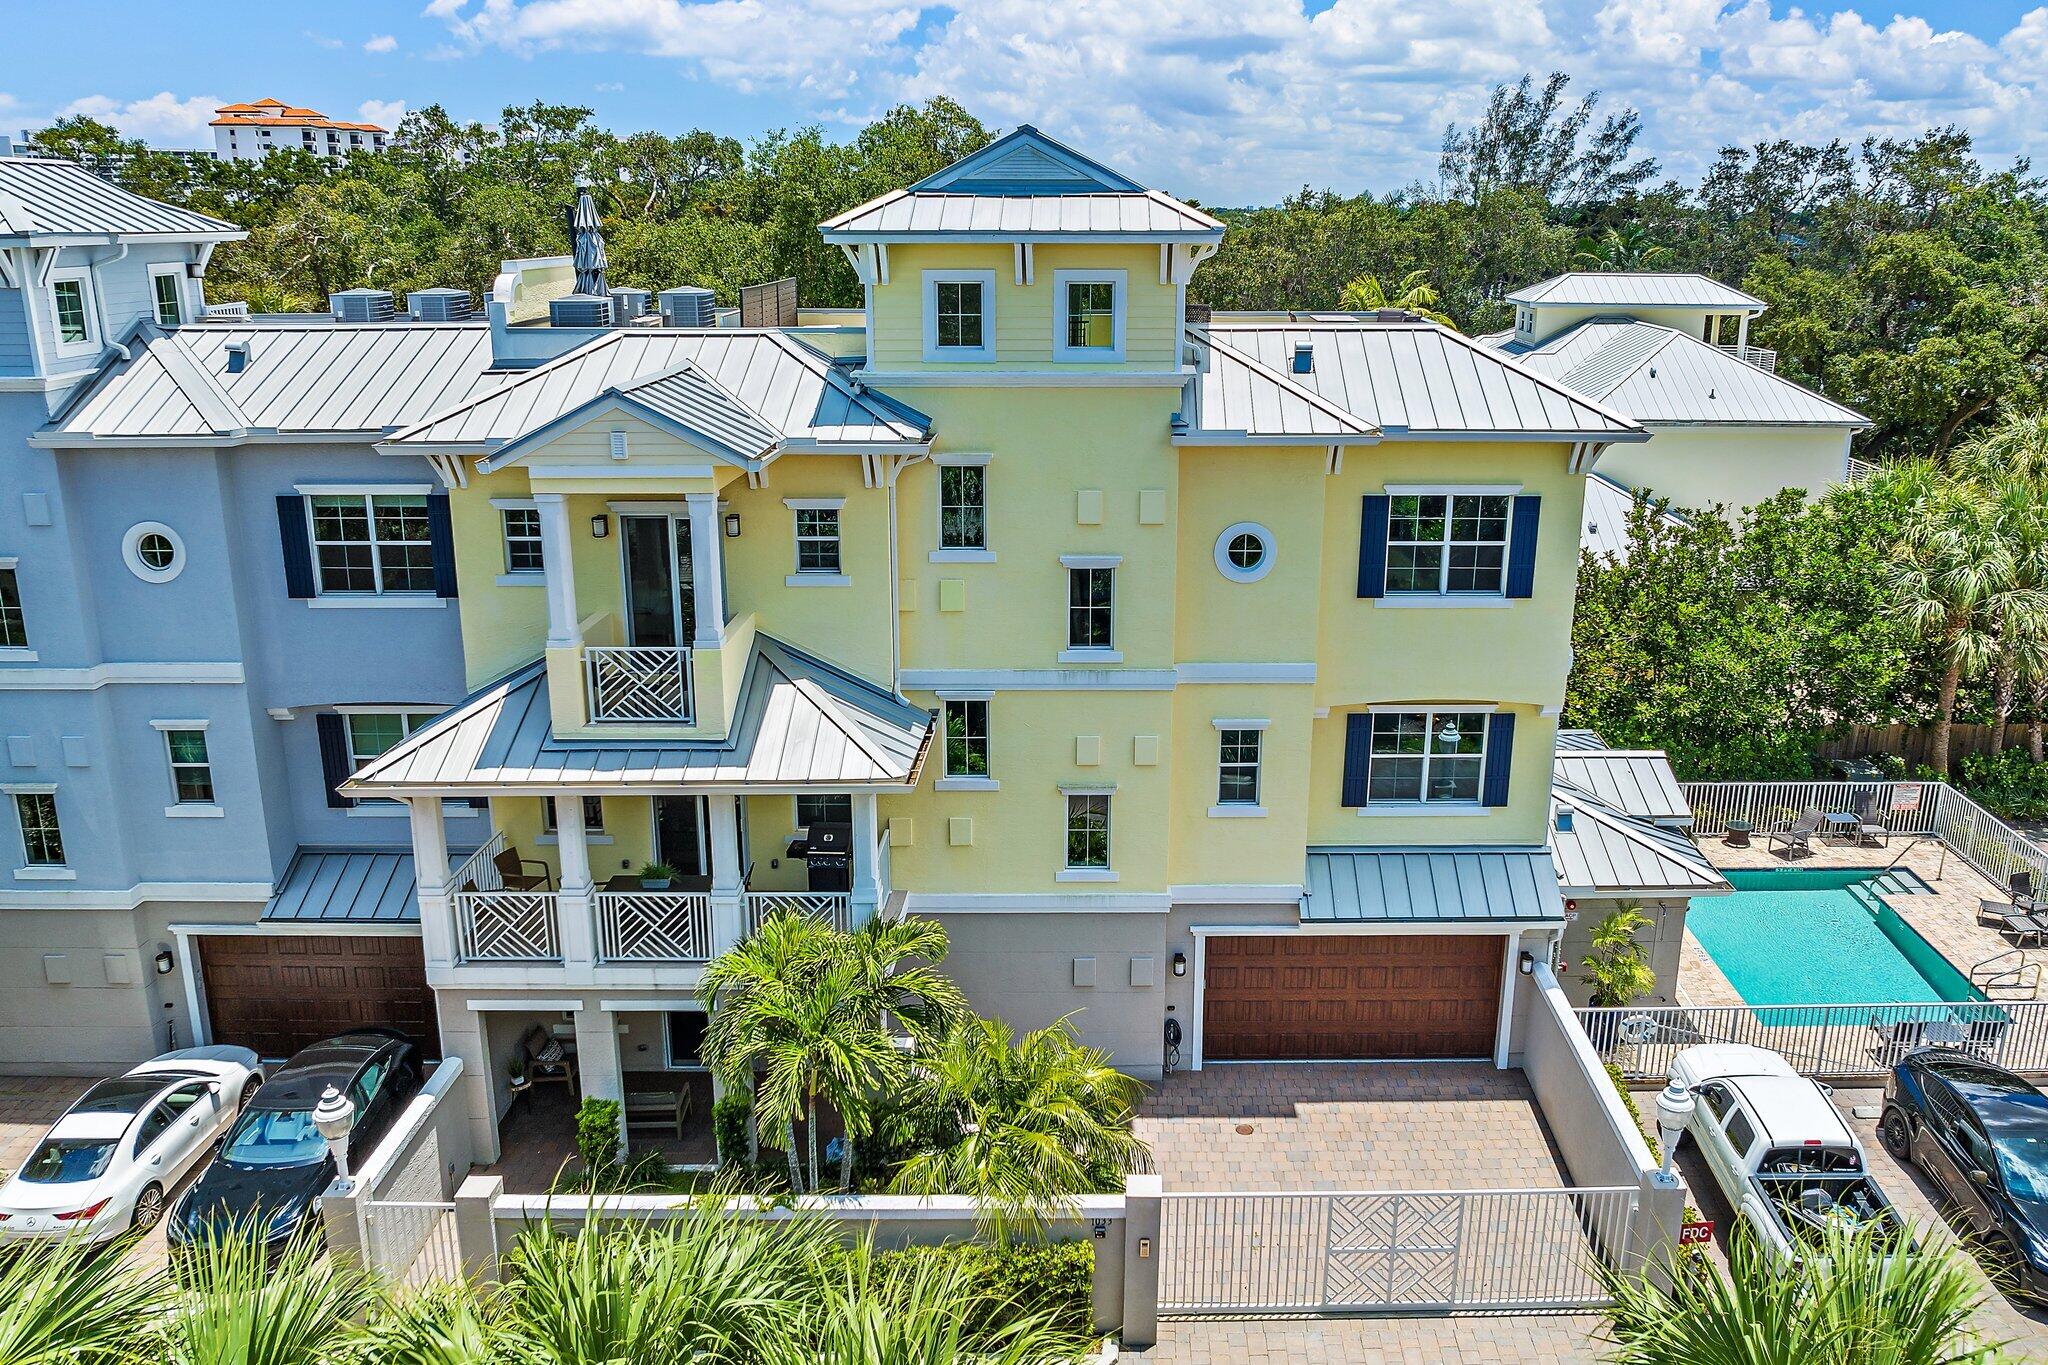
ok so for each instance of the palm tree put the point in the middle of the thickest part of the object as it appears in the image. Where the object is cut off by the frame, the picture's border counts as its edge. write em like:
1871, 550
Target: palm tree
1948, 577
68, 1305
1027, 1128
2019, 615
242, 1306
2016, 444
898, 980
1414, 294
1857, 1298
1626, 248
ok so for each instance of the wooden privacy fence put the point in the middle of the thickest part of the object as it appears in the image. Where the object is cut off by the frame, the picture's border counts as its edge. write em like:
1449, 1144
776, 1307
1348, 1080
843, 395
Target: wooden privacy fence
1915, 743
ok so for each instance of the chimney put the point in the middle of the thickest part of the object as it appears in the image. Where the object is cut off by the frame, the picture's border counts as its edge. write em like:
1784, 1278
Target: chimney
1304, 357
238, 356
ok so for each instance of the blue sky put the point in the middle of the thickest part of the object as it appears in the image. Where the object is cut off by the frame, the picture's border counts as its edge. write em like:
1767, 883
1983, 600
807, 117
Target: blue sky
1236, 102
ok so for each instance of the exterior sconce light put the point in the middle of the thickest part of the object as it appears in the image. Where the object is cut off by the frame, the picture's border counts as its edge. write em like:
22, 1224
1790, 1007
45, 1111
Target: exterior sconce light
164, 962
1526, 964
600, 526
1180, 964
732, 526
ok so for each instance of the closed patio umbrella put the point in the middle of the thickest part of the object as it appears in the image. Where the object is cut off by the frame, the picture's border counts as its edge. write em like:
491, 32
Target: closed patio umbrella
587, 247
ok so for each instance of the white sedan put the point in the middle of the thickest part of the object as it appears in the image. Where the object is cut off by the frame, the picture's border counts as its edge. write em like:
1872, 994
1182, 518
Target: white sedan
105, 1166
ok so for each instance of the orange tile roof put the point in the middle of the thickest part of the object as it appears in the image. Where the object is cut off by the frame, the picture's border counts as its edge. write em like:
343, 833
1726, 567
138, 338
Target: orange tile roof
269, 113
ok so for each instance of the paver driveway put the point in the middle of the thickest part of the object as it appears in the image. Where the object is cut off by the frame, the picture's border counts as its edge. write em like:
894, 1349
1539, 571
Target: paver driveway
1349, 1126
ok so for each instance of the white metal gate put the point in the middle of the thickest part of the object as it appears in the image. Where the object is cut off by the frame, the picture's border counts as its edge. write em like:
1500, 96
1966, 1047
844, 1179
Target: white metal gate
1407, 1249
411, 1243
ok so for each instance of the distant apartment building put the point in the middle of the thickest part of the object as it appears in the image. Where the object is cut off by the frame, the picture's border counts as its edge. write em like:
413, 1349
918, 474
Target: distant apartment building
249, 132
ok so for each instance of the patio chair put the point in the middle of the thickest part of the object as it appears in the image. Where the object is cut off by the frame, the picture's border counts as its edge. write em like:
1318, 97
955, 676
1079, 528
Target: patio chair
512, 872
667, 1110
1797, 837
1984, 1032
546, 1057
1870, 823
2020, 886
2020, 925
1895, 1038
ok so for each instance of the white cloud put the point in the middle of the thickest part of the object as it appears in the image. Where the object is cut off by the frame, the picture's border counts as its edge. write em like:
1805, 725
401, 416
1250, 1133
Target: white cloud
324, 40
382, 42
383, 113
162, 118
609, 87
1245, 101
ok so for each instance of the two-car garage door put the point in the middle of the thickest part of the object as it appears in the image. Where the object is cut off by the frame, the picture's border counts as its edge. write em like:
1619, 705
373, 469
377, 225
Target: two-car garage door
1350, 996
278, 992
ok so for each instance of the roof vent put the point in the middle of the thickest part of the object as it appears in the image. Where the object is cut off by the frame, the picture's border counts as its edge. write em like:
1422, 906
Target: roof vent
362, 305
628, 304
687, 306
580, 310
238, 356
1564, 819
439, 305
1304, 358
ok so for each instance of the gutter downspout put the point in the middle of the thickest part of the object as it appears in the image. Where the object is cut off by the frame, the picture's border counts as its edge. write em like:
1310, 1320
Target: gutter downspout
896, 467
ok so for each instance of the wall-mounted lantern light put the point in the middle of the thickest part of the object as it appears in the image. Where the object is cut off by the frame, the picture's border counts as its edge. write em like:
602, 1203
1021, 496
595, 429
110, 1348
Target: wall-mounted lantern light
1526, 964
600, 526
164, 962
732, 526
1180, 964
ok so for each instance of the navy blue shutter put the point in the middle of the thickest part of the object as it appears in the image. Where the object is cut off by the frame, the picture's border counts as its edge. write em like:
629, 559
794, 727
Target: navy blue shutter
1357, 752
335, 764
1522, 547
298, 546
1372, 547
1500, 758
442, 532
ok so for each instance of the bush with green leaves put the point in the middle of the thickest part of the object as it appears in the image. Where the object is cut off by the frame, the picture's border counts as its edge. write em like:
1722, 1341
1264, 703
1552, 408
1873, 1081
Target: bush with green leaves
2009, 783
597, 1137
730, 1114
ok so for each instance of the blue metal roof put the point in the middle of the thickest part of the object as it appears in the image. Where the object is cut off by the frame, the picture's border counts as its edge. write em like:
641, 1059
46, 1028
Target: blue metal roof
346, 886
1432, 886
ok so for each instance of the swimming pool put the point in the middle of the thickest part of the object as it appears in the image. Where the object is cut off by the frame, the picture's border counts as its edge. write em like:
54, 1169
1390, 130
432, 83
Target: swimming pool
1820, 936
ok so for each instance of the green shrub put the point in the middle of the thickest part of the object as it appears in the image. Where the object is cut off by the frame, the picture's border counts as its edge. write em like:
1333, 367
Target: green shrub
597, 1138
1628, 1102
1054, 1278
729, 1126
2010, 784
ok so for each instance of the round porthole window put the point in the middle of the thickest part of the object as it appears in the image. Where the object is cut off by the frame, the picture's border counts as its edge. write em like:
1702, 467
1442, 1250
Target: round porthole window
154, 552
1244, 552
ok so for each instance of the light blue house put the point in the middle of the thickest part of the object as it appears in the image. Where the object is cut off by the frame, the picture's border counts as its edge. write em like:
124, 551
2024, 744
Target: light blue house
216, 598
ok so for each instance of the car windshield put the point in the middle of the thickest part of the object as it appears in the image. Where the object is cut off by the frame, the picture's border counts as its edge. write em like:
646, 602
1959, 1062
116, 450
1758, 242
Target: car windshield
275, 1137
65, 1161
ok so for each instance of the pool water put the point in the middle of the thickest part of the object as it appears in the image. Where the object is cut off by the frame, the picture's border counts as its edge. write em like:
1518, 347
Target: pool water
1800, 936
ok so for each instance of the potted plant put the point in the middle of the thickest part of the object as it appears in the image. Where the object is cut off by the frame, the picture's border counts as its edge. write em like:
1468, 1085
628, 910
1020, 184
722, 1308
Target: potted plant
656, 877
518, 1074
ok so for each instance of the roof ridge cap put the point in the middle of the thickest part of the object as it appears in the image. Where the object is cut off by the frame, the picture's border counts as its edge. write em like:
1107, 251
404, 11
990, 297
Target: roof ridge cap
200, 388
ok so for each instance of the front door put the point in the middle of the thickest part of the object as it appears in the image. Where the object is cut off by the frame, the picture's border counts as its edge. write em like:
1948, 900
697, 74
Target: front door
679, 834
661, 604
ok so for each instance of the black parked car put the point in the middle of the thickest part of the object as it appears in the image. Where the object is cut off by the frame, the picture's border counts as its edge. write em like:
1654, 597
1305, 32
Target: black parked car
274, 1163
1981, 1133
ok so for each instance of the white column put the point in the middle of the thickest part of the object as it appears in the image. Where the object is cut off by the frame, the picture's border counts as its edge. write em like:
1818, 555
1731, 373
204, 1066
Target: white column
597, 1061
707, 570
557, 551
430, 869
867, 884
1742, 335
728, 888
575, 905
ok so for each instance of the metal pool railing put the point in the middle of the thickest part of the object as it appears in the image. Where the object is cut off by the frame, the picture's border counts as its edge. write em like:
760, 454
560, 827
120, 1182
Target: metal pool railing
1822, 1040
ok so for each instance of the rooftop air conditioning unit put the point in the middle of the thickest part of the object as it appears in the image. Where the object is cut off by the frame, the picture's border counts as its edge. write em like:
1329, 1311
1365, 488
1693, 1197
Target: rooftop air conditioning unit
580, 310
628, 304
439, 305
362, 305
686, 306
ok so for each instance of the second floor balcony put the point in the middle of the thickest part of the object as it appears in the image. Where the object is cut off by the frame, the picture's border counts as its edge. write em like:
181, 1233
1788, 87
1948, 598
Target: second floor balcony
641, 684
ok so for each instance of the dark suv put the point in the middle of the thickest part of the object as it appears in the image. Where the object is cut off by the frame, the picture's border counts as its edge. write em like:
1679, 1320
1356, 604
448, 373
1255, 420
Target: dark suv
1981, 1134
274, 1164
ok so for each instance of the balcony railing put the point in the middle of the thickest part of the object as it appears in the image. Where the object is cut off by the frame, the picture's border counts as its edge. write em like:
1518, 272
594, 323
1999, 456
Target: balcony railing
508, 926
638, 683
1762, 357
833, 906
654, 926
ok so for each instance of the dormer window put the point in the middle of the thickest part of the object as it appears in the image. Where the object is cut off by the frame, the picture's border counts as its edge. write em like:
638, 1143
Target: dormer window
1090, 315
71, 312
959, 315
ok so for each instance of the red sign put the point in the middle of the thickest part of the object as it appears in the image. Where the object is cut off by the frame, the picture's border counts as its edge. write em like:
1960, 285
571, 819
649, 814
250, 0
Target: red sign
1906, 796
1697, 1233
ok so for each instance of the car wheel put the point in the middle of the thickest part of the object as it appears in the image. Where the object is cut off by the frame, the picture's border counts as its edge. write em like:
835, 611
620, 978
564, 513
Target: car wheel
149, 1207
1897, 1135
249, 1089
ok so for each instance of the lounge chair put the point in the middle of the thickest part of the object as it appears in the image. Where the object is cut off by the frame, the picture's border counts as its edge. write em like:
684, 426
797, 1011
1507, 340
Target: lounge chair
2020, 886
1797, 837
547, 1057
2019, 924
512, 872
1870, 823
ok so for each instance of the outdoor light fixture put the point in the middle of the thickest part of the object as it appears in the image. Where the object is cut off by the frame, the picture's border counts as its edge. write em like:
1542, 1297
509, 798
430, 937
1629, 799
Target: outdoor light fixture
1674, 1112
164, 962
334, 1117
600, 526
1180, 964
732, 526
1526, 964
1449, 733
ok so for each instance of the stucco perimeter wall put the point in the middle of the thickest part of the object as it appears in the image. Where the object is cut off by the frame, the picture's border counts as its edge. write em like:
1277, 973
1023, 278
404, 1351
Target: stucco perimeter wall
1664, 937
1699, 467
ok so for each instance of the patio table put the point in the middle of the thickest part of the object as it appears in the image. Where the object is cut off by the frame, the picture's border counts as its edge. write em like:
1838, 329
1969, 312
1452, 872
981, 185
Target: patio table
1841, 824
1943, 1033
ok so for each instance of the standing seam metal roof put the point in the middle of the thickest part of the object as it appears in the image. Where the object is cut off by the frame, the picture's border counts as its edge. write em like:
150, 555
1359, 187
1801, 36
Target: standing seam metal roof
1637, 782
1637, 288
1145, 215
41, 196
1609, 505
352, 886
1430, 886
1608, 851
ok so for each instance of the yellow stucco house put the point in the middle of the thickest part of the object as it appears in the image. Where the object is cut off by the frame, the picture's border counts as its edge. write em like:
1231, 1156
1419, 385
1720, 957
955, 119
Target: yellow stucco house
1201, 677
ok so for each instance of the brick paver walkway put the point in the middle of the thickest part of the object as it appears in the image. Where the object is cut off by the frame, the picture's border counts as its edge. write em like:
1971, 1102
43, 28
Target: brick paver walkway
1558, 1339
1375, 1126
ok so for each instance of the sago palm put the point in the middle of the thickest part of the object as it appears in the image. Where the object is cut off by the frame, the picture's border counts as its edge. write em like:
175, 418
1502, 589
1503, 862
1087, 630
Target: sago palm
1030, 1127
241, 1306
922, 1312
70, 1305
1414, 294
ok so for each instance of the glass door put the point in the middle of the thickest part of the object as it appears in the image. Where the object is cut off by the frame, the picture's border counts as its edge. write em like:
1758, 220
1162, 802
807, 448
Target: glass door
661, 604
679, 835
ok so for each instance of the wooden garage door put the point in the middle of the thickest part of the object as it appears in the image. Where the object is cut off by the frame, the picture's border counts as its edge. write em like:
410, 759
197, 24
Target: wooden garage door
277, 993
1351, 996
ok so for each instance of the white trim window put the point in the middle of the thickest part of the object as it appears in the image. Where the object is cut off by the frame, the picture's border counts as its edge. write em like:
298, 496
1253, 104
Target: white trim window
13, 623
1244, 552
593, 815
1426, 757
167, 294
966, 750
191, 766
1237, 767
963, 507
42, 839
73, 312
371, 544
1087, 831
1091, 608
831, 808
1088, 315
960, 315
520, 527
153, 552
817, 541
372, 732
1448, 543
